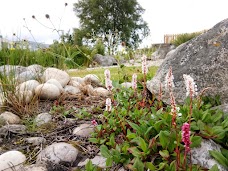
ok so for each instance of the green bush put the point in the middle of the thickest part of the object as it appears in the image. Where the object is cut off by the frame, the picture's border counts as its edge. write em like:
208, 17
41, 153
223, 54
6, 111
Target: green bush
182, 38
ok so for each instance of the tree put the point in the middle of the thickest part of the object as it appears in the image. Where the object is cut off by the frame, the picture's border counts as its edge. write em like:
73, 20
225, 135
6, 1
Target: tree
115, 21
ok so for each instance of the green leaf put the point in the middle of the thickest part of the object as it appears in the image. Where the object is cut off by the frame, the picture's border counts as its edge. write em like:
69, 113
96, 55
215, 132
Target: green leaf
138, 165
214, 168
143, 145
172, 166
164, 154
150, 166
217, 116
224, 152
89, 166
206, 117
219, 157
161, 166
225, 123
196, 141
158, 124
93, 140
164, 138
136, 127
109, 161
105, 151
135, 151
112, 140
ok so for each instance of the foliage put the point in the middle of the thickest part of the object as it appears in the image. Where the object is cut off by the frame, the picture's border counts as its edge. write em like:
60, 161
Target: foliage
139, 134
182, 38
114, 21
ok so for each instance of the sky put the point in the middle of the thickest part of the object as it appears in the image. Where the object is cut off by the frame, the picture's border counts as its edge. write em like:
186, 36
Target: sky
162, 16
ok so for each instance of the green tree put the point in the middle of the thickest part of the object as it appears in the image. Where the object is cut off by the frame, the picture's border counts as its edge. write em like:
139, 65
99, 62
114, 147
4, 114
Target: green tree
114, 21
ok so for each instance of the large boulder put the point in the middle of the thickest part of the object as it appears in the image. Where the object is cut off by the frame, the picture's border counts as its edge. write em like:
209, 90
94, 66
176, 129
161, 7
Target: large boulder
104, 60
204, 58
162, 50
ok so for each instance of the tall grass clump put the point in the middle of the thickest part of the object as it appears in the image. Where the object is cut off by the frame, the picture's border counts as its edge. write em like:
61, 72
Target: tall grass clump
182, 38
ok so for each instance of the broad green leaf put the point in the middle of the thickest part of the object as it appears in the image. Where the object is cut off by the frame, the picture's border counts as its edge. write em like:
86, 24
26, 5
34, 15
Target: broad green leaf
164, 154
135, 151
105, 151
158, 124
219, 157
217, 116
112, 140
172, 166
225, 123
196, 141
214, 168
194, 126
161, 166
206, 117
109, 161
224, 152
164, 138
200, 124
138, 165
93, 140
89, 166
143, 145
150, 166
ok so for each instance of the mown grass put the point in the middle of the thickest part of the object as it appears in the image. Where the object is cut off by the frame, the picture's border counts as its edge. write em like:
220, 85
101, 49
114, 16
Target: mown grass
119, 73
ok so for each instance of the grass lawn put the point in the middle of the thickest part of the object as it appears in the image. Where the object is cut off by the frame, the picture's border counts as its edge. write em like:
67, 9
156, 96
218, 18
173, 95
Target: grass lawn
117, 73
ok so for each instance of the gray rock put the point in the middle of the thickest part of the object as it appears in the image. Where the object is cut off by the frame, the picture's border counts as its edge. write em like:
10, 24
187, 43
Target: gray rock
104, 60
35, 167
58, 152
14, 128
35, 140
56, 83
25, 76
11, 70
10, 118
100, 91
92, 80
84, 130
43, 118
204, 58
162, 51
25, 97
12, 160
72, 90
97, 160
201, 156
28, 85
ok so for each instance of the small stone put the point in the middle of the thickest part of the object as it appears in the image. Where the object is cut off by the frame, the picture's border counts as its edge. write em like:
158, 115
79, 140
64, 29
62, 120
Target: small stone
28, 85
97, 160
10, 118
25, 97
84, 130
58, 152
72, 90
100, 91
92, 80
56, 83
35, 167
14, 128
126, 84
12, 159
76, 79
35, 140
43, 118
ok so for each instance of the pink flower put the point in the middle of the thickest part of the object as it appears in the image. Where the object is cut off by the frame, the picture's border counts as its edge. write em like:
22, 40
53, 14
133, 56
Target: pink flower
94, 122
169, 80
186, 136
144, 65
134, 81
108, 104
191, 86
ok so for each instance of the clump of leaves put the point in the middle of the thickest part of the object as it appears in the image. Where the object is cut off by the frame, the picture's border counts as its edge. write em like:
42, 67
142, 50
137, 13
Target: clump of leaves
139, 134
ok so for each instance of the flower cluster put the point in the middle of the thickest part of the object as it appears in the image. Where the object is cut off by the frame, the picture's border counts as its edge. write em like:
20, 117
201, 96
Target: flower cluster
191, 86
144, 65
134, 81
169, 84
108, 104
186, 136
108, 81
94, 122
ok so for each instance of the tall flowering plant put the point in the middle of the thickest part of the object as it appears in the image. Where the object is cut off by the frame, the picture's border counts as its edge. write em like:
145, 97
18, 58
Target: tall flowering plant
108, 81
186, 140
134, 82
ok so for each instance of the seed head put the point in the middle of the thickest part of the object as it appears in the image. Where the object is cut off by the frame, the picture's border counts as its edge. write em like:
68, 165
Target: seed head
47, 16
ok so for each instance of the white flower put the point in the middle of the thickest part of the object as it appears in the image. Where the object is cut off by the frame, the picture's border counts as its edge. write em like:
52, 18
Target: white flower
191, 86
134, 81
108, 84
107, 74
108, 104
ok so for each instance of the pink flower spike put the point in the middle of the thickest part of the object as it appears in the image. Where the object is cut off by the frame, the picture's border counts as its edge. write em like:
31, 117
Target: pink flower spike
108, 84
191, 86
94, 122
144, 65
108, 104
107, 74
134, 81
186, 136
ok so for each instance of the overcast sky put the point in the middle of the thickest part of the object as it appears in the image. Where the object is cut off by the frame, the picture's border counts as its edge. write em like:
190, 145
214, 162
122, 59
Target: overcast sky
162, 16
